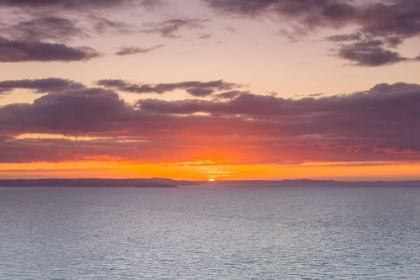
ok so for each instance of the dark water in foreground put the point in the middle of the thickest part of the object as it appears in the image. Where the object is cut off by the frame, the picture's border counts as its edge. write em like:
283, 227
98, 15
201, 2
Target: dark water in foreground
219, 233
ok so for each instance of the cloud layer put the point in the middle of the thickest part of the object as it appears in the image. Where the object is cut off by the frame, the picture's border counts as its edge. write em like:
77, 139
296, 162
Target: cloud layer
73, 4
40, 85
381, 26
40, 30
381, 124
195, 88
44, 28
22, 51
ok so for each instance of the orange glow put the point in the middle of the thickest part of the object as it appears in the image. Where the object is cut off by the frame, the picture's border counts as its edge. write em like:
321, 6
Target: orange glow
110, 169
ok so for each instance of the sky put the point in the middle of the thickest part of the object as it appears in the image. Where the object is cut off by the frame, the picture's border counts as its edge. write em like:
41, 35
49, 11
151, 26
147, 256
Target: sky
200, 89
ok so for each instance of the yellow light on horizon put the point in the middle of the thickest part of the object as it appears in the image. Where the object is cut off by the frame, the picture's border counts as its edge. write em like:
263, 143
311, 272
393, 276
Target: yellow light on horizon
110, 168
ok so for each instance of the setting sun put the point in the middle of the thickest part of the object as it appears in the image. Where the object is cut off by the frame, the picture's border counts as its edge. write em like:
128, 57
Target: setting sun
211, 180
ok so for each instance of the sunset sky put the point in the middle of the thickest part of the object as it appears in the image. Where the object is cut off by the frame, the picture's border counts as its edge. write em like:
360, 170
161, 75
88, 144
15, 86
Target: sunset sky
200, 89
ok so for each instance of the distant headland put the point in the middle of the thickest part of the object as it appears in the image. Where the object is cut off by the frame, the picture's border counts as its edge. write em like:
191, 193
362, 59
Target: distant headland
309, 182
133, 183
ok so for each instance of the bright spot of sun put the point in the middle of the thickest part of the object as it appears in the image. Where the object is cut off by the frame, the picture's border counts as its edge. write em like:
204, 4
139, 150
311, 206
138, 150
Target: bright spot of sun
211, 180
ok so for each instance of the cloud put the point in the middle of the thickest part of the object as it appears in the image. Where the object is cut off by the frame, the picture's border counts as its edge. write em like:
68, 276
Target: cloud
67, 4
248, 104
44, 28
42, 19
230, 94
308, 12
369, 53
345, 37
105, 26
40, 85
391, 22
21, 51
65, 111
59, 29
200, 92
194, 88
379, 124
204, 37
136, 50
170, 28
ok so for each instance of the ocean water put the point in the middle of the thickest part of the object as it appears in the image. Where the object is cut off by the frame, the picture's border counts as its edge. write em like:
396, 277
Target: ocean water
210, 233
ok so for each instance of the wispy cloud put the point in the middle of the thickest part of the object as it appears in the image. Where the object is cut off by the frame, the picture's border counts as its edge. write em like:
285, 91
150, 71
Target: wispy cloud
44, 28
75, 4
170, 28
136, 50
195, 88
22, 51
391, 22
40, 85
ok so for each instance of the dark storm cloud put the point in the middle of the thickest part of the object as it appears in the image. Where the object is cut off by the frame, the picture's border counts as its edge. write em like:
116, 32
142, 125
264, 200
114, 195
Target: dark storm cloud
392, 22
194, 88
136, 50
381, 124
170, 28
40, 86
21, 51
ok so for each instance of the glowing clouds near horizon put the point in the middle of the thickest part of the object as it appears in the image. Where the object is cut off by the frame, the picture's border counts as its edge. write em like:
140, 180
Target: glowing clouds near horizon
78, 123
201, 90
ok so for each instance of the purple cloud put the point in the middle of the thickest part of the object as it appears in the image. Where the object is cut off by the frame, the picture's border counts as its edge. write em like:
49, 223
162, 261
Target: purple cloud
40, 85
68, 4
44, 28
376, 125
136, 50
22, 51
369, 53
391, 22
194, 88
169, 28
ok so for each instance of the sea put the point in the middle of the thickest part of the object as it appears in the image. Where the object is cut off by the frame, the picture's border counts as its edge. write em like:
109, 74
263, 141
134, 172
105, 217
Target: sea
210, 232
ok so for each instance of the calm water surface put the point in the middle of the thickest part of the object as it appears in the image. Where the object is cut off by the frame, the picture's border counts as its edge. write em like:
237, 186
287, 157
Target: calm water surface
210, 233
